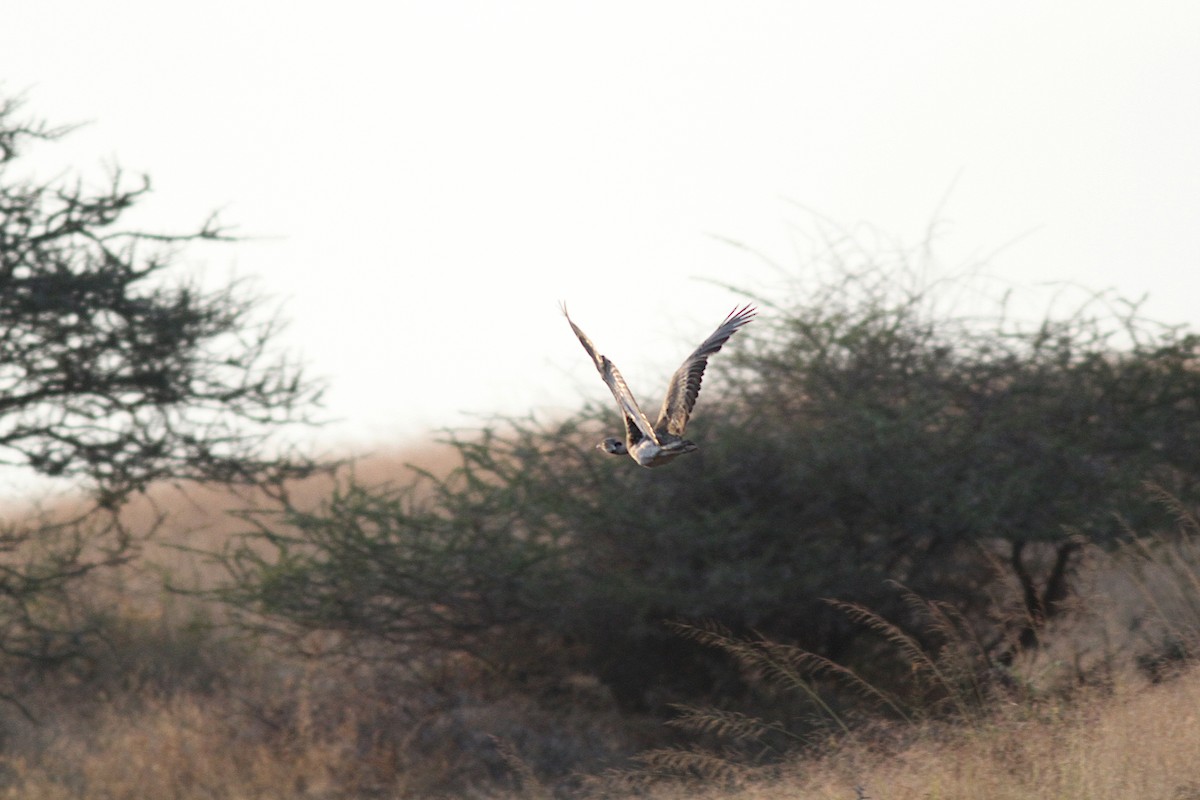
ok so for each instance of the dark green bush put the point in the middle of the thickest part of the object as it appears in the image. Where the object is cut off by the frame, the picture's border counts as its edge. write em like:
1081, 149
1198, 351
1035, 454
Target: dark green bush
857, 436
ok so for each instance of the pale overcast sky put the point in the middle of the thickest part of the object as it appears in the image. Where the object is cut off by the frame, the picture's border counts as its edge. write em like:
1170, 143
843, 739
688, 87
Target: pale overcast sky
428, 179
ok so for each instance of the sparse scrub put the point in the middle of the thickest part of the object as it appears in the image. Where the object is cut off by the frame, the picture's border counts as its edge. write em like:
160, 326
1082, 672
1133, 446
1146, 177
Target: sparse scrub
186, 712
286, 730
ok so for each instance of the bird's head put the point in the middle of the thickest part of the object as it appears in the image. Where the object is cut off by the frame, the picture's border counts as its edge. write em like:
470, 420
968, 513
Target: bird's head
613, 446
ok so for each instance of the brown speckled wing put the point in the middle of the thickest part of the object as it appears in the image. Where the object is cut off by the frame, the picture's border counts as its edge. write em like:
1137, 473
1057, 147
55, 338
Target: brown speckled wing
637, 426
685, 383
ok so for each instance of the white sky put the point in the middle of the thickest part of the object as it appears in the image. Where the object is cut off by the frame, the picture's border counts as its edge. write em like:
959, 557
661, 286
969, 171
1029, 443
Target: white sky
429, 179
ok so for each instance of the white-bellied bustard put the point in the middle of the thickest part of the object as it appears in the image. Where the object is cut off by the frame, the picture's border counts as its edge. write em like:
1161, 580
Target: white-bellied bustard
654, 445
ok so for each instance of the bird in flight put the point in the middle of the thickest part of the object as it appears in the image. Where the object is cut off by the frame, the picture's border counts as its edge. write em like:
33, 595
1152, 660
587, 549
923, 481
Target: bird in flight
653, 446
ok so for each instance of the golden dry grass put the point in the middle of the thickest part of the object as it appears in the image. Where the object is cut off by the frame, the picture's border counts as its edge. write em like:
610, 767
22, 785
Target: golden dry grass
179, 747
1140, 743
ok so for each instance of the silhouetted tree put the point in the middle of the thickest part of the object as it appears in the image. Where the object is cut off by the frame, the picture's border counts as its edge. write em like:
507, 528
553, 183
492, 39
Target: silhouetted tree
115, 374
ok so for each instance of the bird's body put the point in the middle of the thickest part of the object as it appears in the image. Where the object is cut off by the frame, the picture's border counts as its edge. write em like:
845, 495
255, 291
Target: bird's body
655, 445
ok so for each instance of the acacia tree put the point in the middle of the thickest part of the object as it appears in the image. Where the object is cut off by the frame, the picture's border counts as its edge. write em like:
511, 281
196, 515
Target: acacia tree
870, 435
115, 374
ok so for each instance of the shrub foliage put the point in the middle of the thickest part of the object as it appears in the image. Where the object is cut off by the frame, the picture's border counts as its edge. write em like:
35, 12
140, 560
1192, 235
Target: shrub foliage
858, 436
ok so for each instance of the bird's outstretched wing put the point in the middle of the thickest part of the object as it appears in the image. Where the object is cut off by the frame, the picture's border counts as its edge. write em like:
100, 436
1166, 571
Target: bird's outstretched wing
637, 426
685, 383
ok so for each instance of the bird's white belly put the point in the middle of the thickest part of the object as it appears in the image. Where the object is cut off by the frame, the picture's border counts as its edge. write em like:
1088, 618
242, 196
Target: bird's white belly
645, 452
648, 454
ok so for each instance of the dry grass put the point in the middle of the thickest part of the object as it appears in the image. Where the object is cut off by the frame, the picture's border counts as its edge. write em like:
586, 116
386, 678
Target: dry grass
269, 728
1142, 743
180, 747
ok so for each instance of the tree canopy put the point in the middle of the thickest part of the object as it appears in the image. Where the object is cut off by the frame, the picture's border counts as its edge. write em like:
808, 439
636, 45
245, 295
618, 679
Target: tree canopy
117, 370
112, 370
